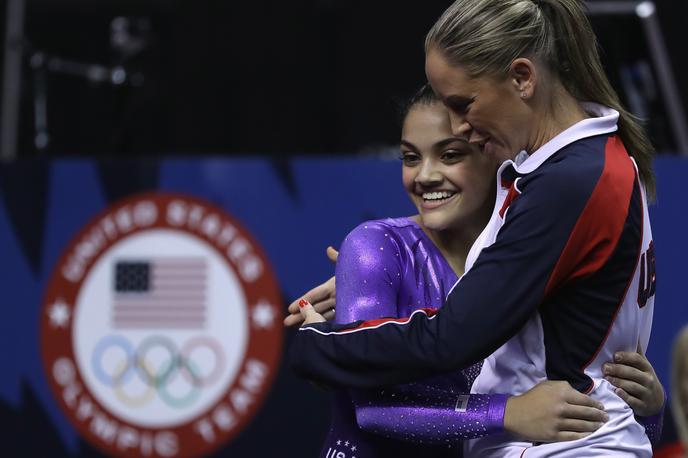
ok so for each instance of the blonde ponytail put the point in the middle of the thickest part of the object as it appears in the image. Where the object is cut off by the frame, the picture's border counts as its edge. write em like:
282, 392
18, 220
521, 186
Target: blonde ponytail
485, 36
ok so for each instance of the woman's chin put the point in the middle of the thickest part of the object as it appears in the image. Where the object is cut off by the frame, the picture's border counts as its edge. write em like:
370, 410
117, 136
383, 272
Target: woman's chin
434, 222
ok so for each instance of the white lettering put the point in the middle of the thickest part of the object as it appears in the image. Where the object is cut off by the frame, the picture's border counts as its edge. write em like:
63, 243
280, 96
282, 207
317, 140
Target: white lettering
195, 216
224, 417
63, 371
205, 429
227, 235
108, 227
124, 220
70, 394
145, 213
85, 409
166, 443
90, 245
103, 427
176, 213
240, 400
127, 438
237, 250
72, 271
211, 226
254, 375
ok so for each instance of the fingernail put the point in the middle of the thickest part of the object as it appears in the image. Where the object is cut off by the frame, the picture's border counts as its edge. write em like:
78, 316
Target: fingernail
617, 357
605, 418
303, 303
606, 368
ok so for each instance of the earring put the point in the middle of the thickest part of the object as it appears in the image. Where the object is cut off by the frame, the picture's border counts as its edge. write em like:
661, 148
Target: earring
524, 95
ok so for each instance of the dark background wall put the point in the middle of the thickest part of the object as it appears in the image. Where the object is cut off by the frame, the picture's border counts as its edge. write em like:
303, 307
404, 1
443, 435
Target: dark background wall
313, 76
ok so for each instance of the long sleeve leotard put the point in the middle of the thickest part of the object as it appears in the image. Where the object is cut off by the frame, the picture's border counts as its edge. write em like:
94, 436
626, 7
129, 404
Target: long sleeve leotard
389, 268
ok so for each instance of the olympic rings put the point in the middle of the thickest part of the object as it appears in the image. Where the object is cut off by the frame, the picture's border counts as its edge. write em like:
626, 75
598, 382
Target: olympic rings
131, 401
97, 360
183, 401
219, 355
157, 362
169, 365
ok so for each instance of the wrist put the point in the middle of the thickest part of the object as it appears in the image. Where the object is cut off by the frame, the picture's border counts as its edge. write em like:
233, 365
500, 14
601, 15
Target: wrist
510, 413
496, 413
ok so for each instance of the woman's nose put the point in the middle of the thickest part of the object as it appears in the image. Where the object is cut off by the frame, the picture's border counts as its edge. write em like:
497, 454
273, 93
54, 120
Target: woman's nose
428, 174
460, 127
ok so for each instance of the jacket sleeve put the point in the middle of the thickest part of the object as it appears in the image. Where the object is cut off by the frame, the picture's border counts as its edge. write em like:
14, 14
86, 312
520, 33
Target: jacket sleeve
487, 307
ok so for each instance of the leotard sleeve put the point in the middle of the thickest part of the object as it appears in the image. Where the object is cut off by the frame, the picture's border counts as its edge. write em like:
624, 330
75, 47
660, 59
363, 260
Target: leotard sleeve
368, 276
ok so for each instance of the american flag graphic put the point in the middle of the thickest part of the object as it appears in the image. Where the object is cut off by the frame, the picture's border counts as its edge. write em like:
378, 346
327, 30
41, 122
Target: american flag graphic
160, 293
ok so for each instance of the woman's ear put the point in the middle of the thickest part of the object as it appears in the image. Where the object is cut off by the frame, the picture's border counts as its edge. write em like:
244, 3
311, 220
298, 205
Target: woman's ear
523, 75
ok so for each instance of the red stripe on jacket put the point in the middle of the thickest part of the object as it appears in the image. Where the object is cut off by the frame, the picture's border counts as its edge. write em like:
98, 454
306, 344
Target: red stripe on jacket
599, 227
372, 323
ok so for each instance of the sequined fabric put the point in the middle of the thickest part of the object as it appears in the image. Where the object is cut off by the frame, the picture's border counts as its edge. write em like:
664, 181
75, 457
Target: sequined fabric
389, 268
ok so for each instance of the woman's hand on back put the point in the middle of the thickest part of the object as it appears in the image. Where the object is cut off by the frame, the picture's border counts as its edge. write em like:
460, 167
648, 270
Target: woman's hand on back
553, 411
636, 382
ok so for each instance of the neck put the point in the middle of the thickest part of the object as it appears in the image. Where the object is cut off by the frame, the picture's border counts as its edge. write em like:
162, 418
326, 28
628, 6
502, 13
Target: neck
455, 243
559, 112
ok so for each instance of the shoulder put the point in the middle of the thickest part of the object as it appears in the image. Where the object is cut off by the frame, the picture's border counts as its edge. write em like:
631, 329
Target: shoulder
377, 243
579, 169
386, 231
590, 182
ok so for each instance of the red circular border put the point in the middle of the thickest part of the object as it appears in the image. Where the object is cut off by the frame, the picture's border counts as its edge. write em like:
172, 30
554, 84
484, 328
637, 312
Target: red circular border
264, 345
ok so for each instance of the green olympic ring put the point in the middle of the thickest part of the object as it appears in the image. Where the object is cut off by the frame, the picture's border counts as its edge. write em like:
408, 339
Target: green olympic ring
158, 380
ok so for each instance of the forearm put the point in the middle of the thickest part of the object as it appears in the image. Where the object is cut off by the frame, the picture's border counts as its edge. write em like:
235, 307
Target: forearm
389, 352
421, 413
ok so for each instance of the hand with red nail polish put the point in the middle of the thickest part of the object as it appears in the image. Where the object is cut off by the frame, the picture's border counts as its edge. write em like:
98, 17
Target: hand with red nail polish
322, 297
308, 313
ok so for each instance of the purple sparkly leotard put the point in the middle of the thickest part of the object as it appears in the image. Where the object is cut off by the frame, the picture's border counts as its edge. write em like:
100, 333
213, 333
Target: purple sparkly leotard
391, 268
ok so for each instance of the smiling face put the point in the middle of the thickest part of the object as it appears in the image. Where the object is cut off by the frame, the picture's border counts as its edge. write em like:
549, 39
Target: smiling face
449, 181
486, 111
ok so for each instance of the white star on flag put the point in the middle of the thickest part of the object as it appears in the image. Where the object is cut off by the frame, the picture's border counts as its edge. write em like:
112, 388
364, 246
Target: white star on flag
339, 442
353, 448
59, 314
263, 315
346, 444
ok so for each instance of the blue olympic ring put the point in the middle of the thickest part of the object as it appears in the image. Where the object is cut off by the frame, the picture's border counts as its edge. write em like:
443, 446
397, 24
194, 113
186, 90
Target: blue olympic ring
97, 359
158, 379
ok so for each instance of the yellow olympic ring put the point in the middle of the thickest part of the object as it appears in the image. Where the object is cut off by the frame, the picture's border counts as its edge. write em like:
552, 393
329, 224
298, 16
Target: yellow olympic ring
138, 401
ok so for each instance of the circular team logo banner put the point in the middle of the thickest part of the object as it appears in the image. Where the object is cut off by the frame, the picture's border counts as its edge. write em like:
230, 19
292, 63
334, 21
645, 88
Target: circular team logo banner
160, 328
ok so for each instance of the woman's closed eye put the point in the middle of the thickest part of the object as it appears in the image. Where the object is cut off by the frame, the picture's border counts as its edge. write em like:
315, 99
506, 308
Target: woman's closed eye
460, 105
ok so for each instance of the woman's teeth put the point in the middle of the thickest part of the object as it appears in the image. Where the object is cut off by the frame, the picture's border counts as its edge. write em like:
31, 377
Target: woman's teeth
437, 195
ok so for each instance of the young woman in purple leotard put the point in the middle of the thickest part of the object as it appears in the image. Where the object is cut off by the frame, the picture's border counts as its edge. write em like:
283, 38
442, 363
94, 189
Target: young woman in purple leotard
394, 266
